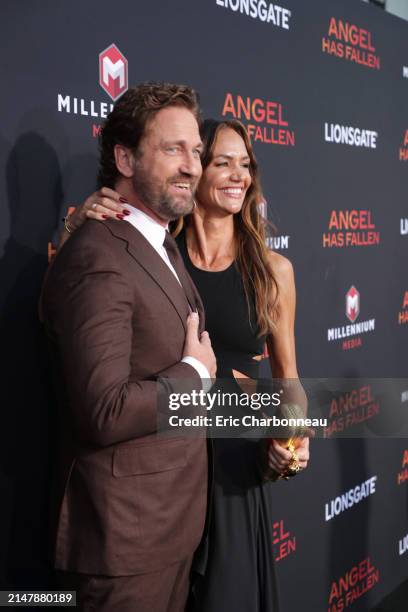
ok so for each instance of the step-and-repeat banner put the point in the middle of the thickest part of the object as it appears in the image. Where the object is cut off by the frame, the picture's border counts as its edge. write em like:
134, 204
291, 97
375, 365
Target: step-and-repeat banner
322, 88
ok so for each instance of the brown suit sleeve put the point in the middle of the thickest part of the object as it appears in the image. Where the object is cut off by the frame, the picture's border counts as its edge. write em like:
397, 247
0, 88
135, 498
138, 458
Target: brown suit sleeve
88, 306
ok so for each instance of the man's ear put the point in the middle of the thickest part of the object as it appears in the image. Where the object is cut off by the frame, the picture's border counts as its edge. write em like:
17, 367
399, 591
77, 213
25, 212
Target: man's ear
124, 160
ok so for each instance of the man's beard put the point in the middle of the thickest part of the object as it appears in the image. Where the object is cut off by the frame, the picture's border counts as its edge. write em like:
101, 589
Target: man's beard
156, 197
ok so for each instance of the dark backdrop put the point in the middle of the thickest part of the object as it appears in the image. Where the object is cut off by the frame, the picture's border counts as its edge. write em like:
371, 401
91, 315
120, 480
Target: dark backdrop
49, 158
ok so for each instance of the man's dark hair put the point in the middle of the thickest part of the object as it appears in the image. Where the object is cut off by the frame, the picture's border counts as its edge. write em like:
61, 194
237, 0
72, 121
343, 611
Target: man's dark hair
126, 124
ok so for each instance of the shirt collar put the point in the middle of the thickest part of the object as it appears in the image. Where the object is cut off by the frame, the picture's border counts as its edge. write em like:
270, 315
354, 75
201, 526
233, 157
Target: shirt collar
150, 228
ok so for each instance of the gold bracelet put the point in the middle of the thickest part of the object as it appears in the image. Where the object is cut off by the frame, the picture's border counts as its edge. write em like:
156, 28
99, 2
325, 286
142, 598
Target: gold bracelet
68, 226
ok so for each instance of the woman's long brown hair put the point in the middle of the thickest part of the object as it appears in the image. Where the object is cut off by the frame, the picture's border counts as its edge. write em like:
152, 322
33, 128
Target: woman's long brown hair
250, 231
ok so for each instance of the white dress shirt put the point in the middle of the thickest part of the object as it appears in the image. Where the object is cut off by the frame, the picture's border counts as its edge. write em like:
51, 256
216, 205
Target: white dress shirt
155, 235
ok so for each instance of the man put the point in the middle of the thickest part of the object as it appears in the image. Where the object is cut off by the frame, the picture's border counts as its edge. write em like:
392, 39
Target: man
119, 309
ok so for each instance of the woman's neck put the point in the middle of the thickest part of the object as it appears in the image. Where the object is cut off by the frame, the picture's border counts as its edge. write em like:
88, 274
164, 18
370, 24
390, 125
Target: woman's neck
210, 239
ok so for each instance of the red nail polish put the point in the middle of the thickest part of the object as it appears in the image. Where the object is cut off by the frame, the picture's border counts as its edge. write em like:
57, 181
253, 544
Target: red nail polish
124, 200
121, 217
104, 216
126, 212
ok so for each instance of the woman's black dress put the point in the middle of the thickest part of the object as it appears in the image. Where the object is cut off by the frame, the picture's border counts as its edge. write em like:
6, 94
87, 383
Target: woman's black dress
238, 573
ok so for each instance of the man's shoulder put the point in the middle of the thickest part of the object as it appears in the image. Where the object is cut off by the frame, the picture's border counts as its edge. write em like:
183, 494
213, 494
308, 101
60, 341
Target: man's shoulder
95, 236
92, 231
92, 246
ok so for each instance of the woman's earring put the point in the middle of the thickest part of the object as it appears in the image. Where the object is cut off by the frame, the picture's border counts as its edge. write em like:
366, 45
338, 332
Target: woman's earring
194, 204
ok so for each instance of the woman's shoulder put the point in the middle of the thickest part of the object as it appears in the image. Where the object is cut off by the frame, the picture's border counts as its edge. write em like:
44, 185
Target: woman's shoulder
282, 270
280, 265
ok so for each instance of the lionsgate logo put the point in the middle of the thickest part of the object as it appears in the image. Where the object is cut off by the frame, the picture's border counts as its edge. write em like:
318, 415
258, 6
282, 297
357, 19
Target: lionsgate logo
259, 9
113, 78
349, 135
351, 334
353, 496
403, 545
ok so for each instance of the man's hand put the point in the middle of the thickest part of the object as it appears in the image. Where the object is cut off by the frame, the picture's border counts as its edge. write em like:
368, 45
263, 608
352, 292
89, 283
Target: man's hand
279, 457
199, 348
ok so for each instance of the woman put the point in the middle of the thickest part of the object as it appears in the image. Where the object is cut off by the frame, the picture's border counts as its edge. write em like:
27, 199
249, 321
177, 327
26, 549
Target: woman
249, 297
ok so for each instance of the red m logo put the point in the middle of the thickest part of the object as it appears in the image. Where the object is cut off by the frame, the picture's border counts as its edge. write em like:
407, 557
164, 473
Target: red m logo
113, 72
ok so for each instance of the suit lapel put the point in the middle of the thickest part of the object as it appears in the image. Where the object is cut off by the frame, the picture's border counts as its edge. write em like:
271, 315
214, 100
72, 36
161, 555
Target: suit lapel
142, 251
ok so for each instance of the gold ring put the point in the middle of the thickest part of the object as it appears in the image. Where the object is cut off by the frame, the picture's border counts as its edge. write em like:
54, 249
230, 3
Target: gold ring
292, 469
294, 466
294, 457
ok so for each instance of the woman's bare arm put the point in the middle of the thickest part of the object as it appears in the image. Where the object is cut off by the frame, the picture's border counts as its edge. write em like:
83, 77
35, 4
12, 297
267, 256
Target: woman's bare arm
282, 357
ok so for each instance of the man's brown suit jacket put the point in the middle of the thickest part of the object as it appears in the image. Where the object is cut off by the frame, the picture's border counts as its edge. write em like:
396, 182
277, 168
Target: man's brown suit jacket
127, 500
